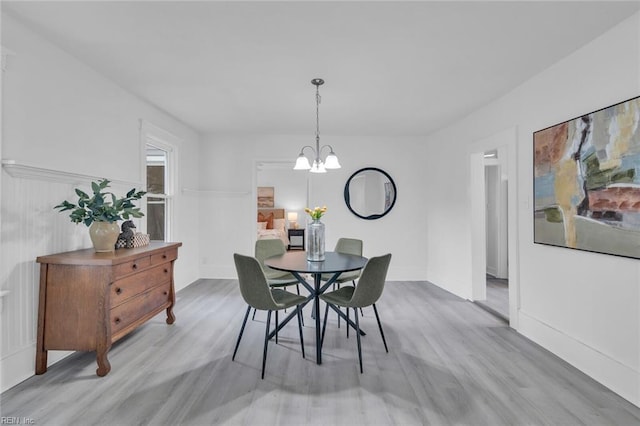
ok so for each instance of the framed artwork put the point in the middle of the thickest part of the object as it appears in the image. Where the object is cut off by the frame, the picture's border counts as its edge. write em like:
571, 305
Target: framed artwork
586, 182
265, 196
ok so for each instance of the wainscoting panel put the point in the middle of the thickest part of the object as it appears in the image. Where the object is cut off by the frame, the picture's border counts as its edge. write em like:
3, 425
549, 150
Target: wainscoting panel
29, 228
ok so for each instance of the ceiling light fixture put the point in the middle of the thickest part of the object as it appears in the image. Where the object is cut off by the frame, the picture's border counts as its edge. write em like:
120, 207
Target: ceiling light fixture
319, 166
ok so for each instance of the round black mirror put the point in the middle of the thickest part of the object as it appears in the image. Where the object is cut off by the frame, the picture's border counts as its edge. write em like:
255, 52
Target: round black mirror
370, 193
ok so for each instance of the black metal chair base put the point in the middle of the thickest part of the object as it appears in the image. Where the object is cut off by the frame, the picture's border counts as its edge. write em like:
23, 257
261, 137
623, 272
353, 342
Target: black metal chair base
356, 325
267, 334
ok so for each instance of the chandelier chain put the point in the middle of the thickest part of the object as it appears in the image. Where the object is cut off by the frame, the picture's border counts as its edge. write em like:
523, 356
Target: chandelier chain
318, 99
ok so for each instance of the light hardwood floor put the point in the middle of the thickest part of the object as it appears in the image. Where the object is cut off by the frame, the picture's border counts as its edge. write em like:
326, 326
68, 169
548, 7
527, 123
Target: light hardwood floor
450, 363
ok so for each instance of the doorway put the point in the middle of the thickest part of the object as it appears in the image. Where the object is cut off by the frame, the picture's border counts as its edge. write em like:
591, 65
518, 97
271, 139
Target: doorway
496, 237
494, 284
290, 190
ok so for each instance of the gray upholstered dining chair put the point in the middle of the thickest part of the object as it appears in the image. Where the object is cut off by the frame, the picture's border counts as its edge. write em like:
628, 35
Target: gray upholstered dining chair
367, 293
259, 295
346, 246
265, 249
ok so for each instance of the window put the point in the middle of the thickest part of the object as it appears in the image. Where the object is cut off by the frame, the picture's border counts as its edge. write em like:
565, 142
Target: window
157, 197
159, 155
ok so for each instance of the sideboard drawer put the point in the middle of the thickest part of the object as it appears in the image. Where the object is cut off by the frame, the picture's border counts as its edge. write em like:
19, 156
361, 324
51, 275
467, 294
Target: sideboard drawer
126, 288
131, 266
166, 256
138, 307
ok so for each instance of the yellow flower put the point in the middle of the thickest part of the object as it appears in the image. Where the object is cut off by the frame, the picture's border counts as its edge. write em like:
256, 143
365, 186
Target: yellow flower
317, 212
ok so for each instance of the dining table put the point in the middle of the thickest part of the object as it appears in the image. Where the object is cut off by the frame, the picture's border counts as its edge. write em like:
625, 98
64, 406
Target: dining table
297, 264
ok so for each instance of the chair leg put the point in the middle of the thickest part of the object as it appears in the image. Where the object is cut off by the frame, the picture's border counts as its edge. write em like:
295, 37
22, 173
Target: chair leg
266, 341
300, 328
375, 310
354, 284
298, 291
347, 323
355, 313
276, 327
337, 285
324, 325
241, 331
253, 318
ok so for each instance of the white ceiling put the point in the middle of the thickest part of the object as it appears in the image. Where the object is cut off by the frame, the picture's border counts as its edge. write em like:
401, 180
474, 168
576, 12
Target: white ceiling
392, 68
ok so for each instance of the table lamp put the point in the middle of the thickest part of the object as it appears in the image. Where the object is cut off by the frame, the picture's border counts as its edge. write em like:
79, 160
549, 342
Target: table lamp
293, 219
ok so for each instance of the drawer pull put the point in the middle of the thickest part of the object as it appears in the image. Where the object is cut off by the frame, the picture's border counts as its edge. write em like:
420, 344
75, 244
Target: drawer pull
118, 290
166, 271
134, 266
164, 256
117, 321
166, 293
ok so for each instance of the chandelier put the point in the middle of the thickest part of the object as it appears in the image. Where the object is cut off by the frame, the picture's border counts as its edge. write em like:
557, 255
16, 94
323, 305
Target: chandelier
319, 166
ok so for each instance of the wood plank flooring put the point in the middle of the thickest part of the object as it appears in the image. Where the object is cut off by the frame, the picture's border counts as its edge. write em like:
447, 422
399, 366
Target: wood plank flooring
450, 363
497, 300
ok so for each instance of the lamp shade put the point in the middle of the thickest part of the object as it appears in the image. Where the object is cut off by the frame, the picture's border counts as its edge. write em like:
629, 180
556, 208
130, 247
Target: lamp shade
318, 167
302, 163
331, 162
292, 216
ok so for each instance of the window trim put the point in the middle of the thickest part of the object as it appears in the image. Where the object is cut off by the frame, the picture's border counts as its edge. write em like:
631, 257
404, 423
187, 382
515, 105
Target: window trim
159, 138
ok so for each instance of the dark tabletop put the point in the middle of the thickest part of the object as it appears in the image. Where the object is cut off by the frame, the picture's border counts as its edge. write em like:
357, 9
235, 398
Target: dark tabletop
296, 261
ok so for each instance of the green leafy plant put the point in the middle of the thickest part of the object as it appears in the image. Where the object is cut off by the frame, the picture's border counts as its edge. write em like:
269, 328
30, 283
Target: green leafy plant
102, 206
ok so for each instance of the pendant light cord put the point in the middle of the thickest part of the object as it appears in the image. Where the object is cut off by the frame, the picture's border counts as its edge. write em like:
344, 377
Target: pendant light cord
318, 123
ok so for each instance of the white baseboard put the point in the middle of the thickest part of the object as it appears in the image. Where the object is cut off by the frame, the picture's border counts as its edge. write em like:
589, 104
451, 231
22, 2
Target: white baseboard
20, 365
618, 377
218, 272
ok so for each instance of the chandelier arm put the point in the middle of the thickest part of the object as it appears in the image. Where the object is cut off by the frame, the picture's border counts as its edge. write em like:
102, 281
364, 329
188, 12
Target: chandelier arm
326, 146
307, 146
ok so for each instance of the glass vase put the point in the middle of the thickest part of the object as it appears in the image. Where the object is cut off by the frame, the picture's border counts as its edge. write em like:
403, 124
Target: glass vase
315, 241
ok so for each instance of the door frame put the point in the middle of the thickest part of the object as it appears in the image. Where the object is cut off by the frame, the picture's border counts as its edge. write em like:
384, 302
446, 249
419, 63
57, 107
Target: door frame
505, 144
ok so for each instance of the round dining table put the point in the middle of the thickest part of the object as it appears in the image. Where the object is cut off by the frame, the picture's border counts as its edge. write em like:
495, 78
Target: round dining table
334, 263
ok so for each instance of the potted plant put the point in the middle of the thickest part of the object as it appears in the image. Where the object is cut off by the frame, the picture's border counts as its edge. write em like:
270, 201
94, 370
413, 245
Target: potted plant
101, 211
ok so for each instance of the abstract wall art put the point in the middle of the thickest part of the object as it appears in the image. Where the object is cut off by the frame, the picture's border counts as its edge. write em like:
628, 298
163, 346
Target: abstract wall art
587, 182
265, 196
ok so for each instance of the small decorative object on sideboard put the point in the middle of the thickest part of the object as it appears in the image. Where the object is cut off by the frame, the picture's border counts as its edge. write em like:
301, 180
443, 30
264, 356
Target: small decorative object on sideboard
125, 239
140, 240
130, 239
101, 212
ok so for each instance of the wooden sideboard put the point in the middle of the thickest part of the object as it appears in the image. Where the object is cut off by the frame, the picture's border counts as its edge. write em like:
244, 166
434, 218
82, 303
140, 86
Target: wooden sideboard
89, 300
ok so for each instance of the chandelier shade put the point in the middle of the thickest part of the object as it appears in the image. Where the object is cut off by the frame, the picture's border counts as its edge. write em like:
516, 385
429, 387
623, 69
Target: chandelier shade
318, 166
302, 163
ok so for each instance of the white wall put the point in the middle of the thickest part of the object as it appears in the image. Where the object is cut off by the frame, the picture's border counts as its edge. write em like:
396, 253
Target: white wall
58, 114
582, 306
227, 164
